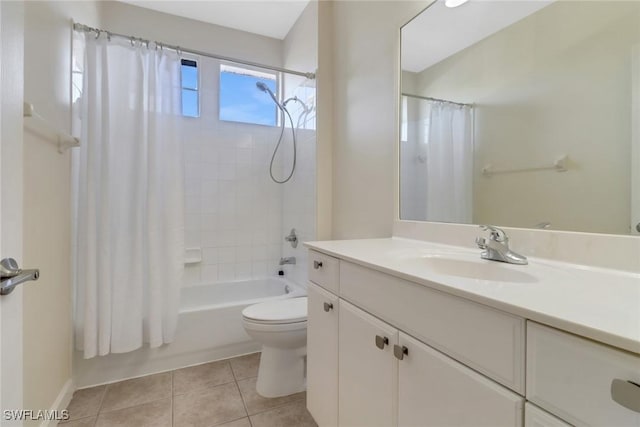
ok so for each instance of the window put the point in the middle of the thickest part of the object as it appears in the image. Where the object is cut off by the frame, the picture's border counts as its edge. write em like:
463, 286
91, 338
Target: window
189, 77
242, 101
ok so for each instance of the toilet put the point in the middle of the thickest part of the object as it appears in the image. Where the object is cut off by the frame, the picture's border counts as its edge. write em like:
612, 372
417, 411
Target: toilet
281, 327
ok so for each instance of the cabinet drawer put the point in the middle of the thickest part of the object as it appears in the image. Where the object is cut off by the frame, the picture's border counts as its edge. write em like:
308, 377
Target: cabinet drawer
485, 339
536, 417
324, 271
572, 377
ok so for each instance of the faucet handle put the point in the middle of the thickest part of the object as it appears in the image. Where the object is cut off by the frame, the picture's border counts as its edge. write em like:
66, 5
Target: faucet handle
481, 242
495, 233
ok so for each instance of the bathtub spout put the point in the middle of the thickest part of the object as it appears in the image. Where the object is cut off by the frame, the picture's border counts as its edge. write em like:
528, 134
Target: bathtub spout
288, 260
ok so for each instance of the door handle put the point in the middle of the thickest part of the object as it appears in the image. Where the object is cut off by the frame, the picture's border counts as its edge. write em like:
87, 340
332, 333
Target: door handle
11, 275
328, 306
317, 264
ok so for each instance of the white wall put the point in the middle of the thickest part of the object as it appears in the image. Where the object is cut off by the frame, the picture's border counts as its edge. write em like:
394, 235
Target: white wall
543, 89
47, 220
149, 24
365, 103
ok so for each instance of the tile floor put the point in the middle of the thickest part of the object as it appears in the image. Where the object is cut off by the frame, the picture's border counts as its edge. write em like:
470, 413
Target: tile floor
219, 393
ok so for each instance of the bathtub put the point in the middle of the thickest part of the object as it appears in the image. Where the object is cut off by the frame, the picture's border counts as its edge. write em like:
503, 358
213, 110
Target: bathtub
209, 328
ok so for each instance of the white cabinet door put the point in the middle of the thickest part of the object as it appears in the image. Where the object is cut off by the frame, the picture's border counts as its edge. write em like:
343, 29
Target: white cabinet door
435, 390
536, 417
367, 374
322, 356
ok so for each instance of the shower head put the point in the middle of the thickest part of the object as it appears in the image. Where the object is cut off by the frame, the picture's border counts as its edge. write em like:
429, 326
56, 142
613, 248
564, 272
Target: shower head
264, 88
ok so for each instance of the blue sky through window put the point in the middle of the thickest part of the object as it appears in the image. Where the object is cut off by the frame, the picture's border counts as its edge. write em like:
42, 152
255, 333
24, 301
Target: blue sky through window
190, 104
242, 101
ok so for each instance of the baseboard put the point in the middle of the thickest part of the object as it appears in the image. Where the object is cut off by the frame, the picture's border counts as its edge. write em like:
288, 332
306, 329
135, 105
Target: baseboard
61, 402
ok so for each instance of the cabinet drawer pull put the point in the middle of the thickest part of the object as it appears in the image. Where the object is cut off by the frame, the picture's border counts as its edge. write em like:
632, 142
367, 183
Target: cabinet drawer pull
317, 264
626, 393
400, 351
381, 342
328, 306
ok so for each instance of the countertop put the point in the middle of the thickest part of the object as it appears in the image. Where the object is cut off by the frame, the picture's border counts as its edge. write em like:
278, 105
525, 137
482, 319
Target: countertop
597, 303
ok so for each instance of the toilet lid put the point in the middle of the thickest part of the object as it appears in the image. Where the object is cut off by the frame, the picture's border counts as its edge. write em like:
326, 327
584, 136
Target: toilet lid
287, 310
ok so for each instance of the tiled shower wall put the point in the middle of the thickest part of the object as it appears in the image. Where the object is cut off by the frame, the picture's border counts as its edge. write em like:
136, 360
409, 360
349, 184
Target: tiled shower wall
299, 194
234, 212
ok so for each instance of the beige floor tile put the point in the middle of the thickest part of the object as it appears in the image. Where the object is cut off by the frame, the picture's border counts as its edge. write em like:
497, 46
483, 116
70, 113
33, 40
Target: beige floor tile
256, 403
86, 402
245, 366
154, 414
137, 391
290, 415
201, 377
82, 422
244, 422
208, 407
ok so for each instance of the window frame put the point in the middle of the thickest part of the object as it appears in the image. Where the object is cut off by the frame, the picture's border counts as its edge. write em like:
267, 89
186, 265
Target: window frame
195, 90
251, 71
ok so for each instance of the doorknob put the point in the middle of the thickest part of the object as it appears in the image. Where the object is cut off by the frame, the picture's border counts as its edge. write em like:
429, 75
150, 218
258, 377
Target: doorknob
11, 275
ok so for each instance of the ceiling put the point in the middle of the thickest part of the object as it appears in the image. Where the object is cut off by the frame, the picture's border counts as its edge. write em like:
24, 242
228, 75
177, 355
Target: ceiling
271, 18
439, 32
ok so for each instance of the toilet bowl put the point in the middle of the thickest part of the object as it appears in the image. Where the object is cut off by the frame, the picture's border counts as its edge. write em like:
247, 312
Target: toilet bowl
281, 327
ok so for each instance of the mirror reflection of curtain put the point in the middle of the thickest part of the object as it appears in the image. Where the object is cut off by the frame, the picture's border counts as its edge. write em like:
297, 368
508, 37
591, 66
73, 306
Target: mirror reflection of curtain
437, 162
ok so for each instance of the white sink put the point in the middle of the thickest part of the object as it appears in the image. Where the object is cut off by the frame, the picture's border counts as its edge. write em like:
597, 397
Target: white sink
465, 266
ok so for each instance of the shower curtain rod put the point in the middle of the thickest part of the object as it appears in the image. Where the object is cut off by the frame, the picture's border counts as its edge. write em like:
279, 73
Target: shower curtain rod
85, 28
428, 98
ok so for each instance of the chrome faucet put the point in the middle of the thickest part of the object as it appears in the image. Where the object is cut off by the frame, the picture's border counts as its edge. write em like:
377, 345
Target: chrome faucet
288, 260
497, 247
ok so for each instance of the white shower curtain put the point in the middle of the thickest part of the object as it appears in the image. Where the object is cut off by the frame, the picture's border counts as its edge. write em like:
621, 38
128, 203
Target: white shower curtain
448, 137
129, 203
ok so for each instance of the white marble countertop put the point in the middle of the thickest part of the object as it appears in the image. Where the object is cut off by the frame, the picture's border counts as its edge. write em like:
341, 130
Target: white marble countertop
596, 303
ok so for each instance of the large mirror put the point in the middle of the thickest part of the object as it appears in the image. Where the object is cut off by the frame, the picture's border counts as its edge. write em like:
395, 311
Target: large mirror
522, 114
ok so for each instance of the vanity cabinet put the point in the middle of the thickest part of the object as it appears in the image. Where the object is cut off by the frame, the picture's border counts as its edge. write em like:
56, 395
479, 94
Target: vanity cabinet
384, 351
322, 355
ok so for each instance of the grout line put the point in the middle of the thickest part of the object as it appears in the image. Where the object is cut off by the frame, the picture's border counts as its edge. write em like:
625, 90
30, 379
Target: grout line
104, 395
278, 406
200, 390
244, 404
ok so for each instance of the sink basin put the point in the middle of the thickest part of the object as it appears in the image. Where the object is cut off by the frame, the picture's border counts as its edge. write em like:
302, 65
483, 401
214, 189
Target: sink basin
479, 269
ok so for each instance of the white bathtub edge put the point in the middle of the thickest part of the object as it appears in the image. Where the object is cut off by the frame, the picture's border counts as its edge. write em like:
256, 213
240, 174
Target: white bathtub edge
96, 372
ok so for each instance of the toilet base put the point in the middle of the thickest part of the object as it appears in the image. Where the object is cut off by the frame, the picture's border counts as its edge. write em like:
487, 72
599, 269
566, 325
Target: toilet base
281, 371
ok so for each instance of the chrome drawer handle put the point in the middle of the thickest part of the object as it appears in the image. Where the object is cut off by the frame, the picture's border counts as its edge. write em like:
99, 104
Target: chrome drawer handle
328, 306
317, 264
626, 393
381, 342
400, 351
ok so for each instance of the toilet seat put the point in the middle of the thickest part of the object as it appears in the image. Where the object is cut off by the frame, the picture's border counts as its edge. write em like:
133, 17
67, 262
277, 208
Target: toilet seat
279, 312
